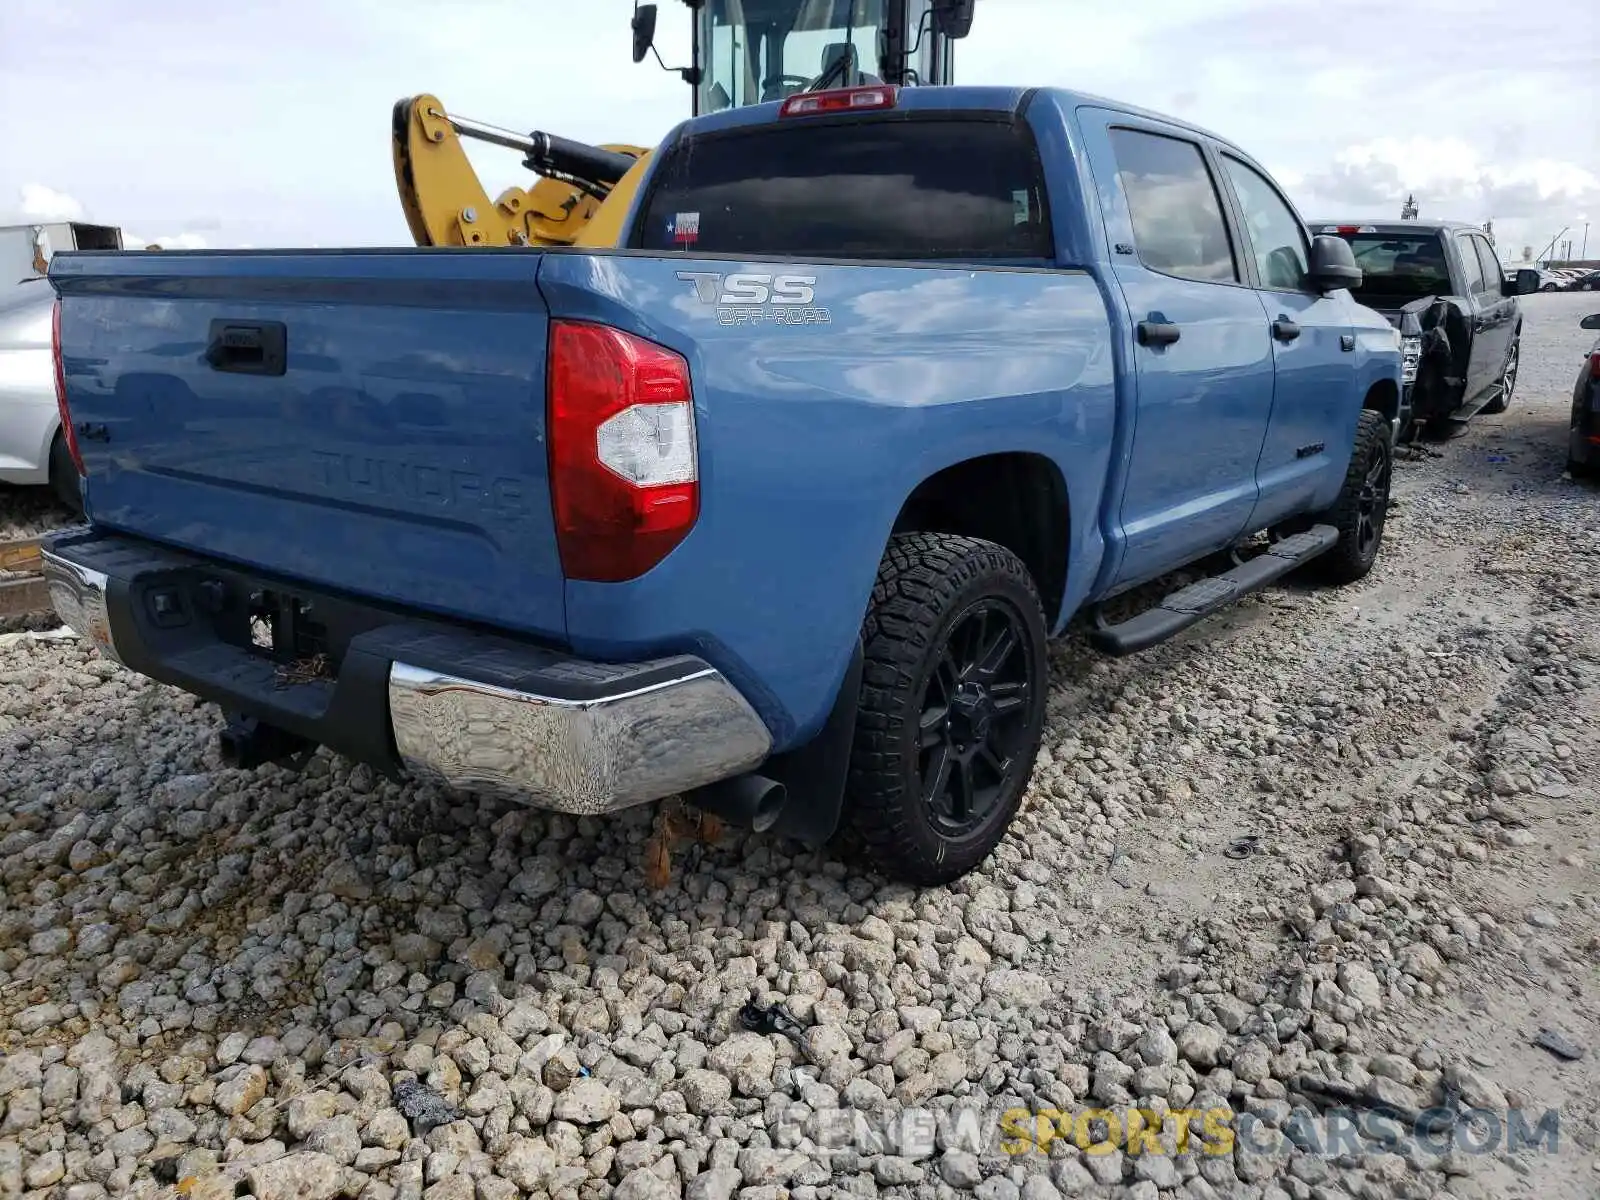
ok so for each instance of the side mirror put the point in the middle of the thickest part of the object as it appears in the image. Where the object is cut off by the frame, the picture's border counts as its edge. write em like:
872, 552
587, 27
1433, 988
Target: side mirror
644, 30
953, 18
1592, 321
1333, 264
1525, 283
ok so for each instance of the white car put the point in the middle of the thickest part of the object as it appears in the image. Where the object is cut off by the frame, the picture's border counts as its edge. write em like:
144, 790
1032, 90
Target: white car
32, 450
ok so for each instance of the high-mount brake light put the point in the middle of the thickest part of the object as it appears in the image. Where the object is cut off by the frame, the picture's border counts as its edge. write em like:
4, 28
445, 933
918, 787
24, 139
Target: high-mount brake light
856, 99
1346, 230
67, 431
624, 468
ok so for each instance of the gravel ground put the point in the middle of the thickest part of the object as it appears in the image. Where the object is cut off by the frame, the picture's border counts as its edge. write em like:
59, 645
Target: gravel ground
218, 983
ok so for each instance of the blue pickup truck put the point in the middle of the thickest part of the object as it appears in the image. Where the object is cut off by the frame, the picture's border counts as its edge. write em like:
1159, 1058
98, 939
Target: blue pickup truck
775, 507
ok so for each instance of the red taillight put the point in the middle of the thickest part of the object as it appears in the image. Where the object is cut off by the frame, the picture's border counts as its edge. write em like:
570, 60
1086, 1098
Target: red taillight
1594, 365
67, 430
856, 99
624, 470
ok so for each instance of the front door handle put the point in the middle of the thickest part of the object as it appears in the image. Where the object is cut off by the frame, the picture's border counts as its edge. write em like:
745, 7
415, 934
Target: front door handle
1285, 330
1156, 333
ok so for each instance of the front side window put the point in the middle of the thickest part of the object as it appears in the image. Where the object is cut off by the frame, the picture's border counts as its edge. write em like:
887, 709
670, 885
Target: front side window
855, 187
1276, 239
1177, 216
1493, 277
1471, 268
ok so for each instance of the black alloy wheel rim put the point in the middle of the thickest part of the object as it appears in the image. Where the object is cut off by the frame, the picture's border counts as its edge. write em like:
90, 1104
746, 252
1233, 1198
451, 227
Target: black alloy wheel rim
1372, 503
1509, 379
974, 717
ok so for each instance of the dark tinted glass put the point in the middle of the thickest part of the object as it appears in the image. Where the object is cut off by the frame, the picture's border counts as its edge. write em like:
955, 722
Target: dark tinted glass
1177, 218
1400, 266
863, 188
1492, 276
1472, 270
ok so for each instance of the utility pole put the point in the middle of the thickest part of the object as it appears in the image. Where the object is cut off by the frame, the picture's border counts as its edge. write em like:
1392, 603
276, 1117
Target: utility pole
1544, 255
1408, 211
1488, 230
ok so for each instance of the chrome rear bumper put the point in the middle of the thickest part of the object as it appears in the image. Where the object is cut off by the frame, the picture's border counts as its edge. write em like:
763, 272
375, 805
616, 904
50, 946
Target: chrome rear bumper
595, 755
465, 710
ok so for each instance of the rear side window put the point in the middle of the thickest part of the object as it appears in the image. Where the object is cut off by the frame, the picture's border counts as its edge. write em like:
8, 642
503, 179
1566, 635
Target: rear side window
1177, 217
874, 189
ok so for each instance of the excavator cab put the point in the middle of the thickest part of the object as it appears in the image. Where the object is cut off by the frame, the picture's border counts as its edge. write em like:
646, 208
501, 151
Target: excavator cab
756, 51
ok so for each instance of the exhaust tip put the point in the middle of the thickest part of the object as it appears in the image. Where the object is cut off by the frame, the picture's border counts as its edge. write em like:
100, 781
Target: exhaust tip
768, 806
752, 801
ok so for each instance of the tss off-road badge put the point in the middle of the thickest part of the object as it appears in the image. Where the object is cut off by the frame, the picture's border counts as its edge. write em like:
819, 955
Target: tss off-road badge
751, 298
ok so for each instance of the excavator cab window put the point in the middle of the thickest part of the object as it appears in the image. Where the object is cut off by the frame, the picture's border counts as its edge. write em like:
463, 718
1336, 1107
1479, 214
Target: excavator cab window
755, 51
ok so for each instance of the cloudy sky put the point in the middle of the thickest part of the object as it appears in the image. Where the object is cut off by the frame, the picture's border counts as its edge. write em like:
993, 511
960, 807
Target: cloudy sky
193, 123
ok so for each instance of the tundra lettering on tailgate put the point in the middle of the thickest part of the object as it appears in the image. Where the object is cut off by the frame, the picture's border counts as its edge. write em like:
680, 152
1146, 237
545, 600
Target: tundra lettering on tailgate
364, 477
753, 298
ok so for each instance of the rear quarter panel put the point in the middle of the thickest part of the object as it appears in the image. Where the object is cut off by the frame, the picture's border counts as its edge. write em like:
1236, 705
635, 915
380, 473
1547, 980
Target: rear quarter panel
812, 436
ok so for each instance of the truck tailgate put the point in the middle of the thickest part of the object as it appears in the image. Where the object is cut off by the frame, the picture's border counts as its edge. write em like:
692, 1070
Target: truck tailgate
368, 421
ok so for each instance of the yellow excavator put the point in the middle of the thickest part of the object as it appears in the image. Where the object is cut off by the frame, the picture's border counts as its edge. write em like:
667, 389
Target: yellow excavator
743, 52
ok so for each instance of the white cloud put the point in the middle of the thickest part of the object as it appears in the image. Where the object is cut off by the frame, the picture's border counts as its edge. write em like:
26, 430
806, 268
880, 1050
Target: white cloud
1448, 172
36, 202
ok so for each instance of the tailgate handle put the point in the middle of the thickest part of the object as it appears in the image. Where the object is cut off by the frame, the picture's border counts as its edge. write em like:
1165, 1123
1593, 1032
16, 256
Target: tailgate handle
248, 347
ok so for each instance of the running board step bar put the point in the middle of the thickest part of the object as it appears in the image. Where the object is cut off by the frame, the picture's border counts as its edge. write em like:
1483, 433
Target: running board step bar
1200, 599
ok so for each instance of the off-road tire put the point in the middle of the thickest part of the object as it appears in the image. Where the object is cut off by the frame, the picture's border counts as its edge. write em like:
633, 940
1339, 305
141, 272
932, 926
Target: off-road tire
928, 584
1352, 556
65, 481
1508, 379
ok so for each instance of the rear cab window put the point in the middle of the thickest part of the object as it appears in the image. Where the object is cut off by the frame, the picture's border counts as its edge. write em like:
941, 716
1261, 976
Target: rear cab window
1402, 266
923, 187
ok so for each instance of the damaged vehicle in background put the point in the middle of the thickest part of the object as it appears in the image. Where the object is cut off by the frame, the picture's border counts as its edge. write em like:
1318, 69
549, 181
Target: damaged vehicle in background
1583, 440
1440, 285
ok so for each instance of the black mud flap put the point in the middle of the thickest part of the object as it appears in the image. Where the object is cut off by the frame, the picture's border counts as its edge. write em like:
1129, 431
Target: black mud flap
814, 774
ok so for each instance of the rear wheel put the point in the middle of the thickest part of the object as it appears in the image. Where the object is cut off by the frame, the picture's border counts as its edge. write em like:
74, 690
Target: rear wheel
952, 705
65, 481
1508, 381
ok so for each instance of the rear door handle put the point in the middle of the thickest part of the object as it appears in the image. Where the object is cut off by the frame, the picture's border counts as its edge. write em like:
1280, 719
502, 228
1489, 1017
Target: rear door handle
1285, 330
1156, 333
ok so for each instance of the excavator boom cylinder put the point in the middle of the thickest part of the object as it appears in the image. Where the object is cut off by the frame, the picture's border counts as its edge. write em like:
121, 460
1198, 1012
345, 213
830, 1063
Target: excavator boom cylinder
567, 157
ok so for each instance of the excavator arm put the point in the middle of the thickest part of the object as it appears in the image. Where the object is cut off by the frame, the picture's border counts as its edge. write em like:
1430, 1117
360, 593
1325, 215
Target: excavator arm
580, 199
584, 192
